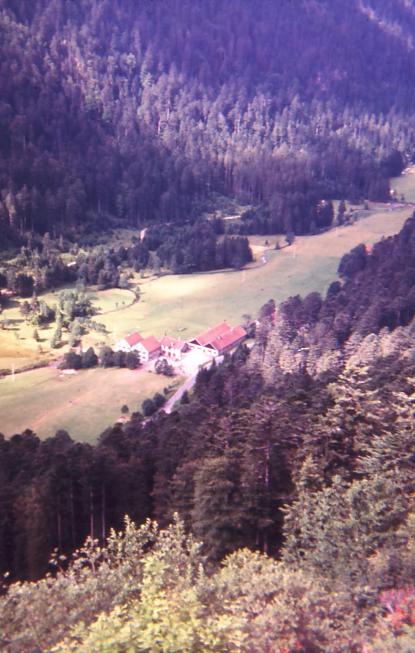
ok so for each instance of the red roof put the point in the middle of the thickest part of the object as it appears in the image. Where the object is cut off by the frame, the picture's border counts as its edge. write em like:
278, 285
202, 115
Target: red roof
166, 341
151, 344
133, 338
208, 336
228, 339
221, 337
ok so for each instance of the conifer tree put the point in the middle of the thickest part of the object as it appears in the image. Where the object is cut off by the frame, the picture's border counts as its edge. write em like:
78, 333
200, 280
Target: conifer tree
392, 452
354, 418
218, 513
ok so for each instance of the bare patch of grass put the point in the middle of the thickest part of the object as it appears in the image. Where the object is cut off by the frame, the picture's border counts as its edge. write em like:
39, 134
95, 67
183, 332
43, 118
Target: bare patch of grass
405, 184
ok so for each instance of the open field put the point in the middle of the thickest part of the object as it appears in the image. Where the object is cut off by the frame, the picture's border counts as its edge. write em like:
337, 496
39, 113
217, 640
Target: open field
102, 300
83, 404
405, 184
19, 348
183, 305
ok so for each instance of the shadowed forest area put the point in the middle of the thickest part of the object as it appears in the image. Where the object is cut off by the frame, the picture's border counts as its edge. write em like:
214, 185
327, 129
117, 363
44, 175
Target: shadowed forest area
273, 508
125, 113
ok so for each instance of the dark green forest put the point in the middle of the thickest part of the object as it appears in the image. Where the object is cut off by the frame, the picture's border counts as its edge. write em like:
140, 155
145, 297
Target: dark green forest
301, 450
273, 510
127, 113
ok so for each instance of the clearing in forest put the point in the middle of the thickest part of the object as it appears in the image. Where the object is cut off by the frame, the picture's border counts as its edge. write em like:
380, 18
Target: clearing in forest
184, 305
84, 403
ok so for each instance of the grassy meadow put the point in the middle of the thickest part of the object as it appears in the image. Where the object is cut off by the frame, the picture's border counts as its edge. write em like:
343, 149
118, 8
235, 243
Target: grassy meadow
183, 305
83, 404
405, 184
19, 348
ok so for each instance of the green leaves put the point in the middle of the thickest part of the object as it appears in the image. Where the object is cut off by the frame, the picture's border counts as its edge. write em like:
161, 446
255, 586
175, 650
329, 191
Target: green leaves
334, 531
148, 592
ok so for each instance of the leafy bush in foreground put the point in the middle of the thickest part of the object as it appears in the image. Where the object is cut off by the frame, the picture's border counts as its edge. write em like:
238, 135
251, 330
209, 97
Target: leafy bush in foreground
148, 589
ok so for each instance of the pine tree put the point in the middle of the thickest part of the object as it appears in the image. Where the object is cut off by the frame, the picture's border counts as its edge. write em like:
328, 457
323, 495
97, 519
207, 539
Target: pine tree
392, 452
356, 416
218, 513
335, 530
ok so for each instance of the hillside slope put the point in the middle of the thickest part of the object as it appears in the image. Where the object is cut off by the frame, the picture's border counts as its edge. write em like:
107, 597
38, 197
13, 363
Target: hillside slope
229, 458
123, 113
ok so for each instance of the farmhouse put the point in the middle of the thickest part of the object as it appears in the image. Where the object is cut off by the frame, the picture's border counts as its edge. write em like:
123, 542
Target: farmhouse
173, 348
148, 348
129, 343
218, 339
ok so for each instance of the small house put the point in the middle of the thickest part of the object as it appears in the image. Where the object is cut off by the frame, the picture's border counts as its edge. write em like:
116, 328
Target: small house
173, 348
129, 343
148, 348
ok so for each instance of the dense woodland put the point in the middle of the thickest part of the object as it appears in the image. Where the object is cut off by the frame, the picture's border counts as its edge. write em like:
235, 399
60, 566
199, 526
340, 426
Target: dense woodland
126, 113
43, 264
302, 450
291, 463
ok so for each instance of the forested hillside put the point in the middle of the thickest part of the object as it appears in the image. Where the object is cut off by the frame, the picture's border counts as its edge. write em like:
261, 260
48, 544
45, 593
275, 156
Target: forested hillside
116, 113
228, 460
274, 507
304, 462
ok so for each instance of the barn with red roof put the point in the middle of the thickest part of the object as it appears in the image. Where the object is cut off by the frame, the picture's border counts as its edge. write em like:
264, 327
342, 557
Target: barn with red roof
218, 339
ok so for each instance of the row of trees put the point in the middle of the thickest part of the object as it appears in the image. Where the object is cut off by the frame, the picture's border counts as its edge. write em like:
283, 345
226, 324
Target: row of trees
191, 248
361, 319
127, 594
197, 247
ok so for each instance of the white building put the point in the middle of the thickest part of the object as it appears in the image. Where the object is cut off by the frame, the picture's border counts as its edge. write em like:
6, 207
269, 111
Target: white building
173, 348
129, 343
148, 348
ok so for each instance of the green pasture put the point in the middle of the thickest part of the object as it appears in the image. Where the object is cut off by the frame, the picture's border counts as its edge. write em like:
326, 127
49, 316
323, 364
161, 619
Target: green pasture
114, 299
17, 345
83, 404
87, 402
405, 184
183, 305
103, 301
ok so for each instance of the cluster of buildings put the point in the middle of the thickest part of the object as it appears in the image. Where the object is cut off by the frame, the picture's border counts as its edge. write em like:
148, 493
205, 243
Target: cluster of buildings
215, 342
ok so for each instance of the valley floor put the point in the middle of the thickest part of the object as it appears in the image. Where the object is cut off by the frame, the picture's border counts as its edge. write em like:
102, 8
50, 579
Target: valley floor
182, 306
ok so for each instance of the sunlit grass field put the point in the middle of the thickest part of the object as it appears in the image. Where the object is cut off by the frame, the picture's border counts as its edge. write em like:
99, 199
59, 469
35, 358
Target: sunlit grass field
186, 304
17, 345
83, 404
405, 184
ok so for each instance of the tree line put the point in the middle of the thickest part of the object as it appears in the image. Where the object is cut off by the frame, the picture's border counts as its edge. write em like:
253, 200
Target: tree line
203, 246
118, 117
